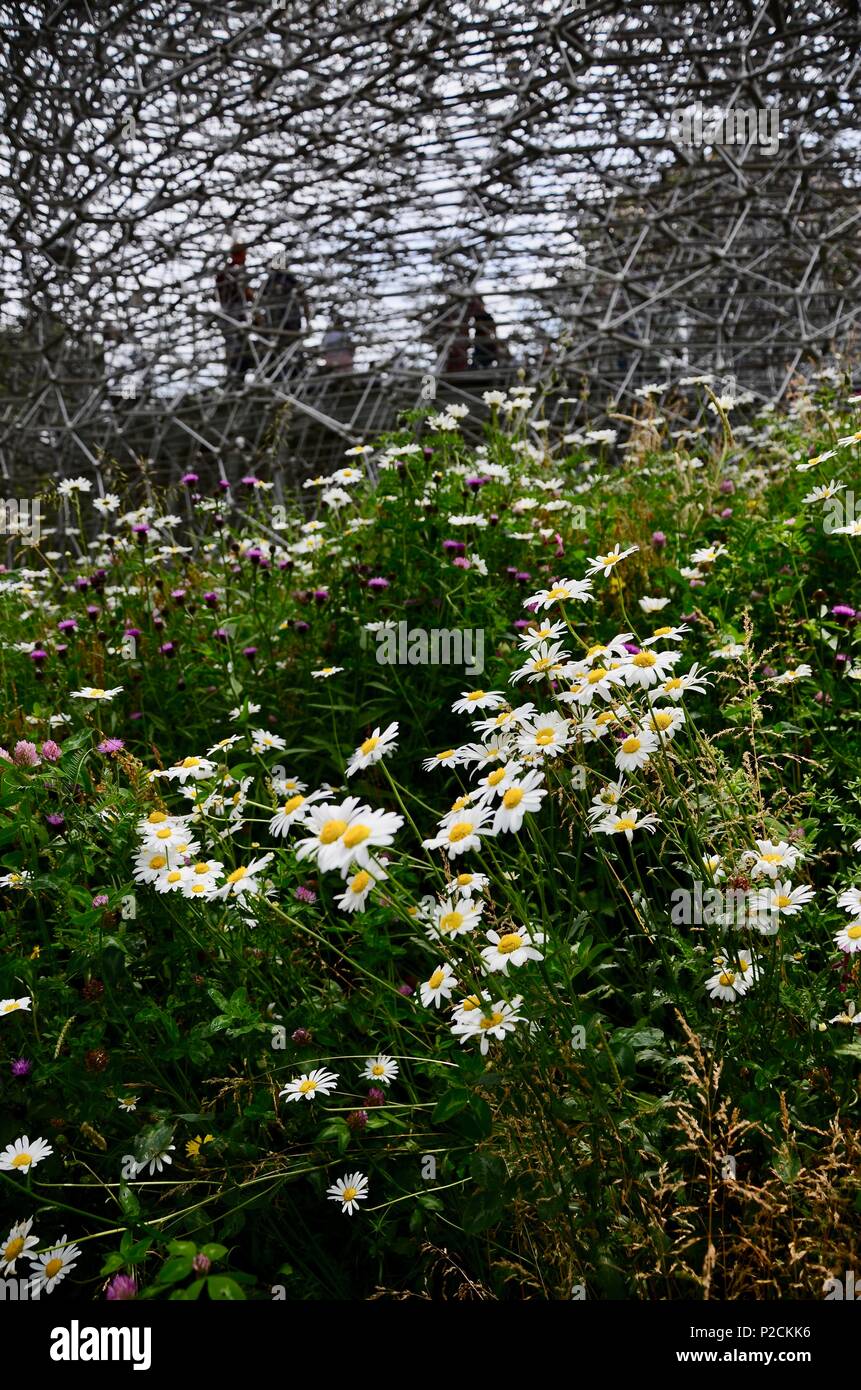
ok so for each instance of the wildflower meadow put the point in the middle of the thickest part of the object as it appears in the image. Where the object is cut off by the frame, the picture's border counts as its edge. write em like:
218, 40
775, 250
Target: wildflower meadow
441, 878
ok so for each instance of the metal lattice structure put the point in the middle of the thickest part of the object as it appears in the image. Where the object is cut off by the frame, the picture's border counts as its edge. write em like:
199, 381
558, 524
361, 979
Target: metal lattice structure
460, 191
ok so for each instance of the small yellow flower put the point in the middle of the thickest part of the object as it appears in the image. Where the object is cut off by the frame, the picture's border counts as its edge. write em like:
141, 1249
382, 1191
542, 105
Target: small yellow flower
194, 1145
36, 953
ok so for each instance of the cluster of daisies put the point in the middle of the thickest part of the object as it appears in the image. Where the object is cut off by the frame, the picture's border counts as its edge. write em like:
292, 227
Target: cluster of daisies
337, 834
46, 1267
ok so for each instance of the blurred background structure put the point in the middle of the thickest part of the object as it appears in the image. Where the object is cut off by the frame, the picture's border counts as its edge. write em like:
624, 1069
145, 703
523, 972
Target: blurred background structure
248, 234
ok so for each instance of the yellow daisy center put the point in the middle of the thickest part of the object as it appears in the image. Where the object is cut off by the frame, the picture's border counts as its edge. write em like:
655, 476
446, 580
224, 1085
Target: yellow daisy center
446, 753
460, 830
237, 874
360, 882
22, 1160
545, 736
631, 745
512, 798
356, 834
158, 861
332, 830
189, 762
490, 1020
53, 1266
494, 778
450, 921
156, 817
625, 823
597, 675
645, 659
174, 877
369, 745
307, 1085
508, 943
727, 978
662, 721
436, 979
661, 631
558, 592
13, 1249
854, 931
349, 1194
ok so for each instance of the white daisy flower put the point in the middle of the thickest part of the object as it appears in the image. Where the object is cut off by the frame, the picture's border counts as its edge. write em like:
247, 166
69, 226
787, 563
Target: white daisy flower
522, 796
53, 1265
543, 632
202, 879
244, 879
563, 591
295, 809
850, 900
626, 822
848, 938
544, 660
666, 634
453, 917
664, 721
731, 980
449, 757
636, 750
441, 985
310, 1084
355, 895
478, 699
768, 859
495, 782
646, 667
95, 692
782, 898
458, 836
378, 745
382, 1070
471, 883
342, 833
22, 1155
192, 767
349, 1191
17, 1245
605, 564
264, 742
677, 686
511, 948
488, 1021
11, 1006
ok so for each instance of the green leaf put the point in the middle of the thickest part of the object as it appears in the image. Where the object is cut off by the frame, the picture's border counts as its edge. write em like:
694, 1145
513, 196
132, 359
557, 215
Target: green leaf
450, 1104
222, 1289
183, 1247
176, 1268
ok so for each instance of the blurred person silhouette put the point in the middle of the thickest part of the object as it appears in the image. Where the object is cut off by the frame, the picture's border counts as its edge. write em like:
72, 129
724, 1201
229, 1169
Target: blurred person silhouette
487, 350
285, 314
234, 296
451, 337
337, 346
